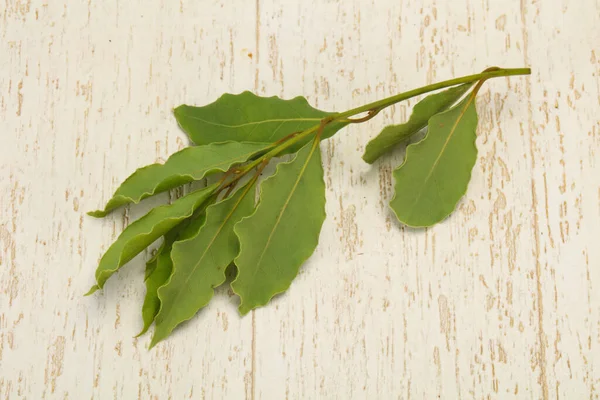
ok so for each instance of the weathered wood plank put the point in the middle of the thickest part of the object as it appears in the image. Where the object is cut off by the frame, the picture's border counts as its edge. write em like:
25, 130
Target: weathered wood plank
500, 301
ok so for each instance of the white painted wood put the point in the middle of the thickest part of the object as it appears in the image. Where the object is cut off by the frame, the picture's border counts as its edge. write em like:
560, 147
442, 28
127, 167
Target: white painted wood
500, 301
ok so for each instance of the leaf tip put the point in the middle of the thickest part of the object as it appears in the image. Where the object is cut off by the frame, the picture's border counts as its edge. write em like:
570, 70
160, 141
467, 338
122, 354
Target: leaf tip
144, 330
92, 290
368, 158
155, 340
180, 112
243, 310
97, 213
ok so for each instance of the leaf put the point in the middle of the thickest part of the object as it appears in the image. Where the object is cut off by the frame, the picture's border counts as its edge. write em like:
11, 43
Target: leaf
283, 231
393, 135
161, 266
199, 263
437, 170
187, 165
247, 117
143, 232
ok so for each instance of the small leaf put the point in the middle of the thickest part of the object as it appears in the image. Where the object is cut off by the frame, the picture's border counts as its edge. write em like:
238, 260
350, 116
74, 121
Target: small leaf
393, 135
199, 263
143, 232
187, 165
283, 231
161, 266
247, 117
437, 170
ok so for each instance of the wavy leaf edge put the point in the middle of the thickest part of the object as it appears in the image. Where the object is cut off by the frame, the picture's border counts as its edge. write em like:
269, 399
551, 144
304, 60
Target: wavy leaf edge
419, 117
119, 200
103, 275
322, 214
412, 147
238, 200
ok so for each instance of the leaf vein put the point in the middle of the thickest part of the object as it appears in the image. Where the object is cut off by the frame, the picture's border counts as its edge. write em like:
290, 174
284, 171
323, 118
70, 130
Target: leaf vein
443, 149
251, 123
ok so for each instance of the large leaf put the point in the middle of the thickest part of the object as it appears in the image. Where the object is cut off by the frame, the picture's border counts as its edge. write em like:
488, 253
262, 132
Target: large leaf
437, 170
187, 165
199, 263
393, 135
247, 117
283, 231
159, 267
143, 232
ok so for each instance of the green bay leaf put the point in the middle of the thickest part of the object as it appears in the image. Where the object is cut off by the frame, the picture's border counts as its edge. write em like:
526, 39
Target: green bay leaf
200, 262
187, 165
158, 270
283, 231
248, 117
437, 170
144, 231
393, 135
160, 267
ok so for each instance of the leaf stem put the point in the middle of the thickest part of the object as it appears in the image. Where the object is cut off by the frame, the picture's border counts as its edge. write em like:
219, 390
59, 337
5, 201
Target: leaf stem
373, 109
381, 104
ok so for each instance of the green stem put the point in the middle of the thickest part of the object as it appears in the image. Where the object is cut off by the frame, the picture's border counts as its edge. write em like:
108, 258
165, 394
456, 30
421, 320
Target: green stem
380, 104
377, 106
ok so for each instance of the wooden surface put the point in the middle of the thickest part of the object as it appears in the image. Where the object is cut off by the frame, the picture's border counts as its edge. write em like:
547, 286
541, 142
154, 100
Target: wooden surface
500, 301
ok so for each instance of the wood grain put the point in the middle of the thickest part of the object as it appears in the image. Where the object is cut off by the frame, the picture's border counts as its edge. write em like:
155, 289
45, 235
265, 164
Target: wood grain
500, 301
